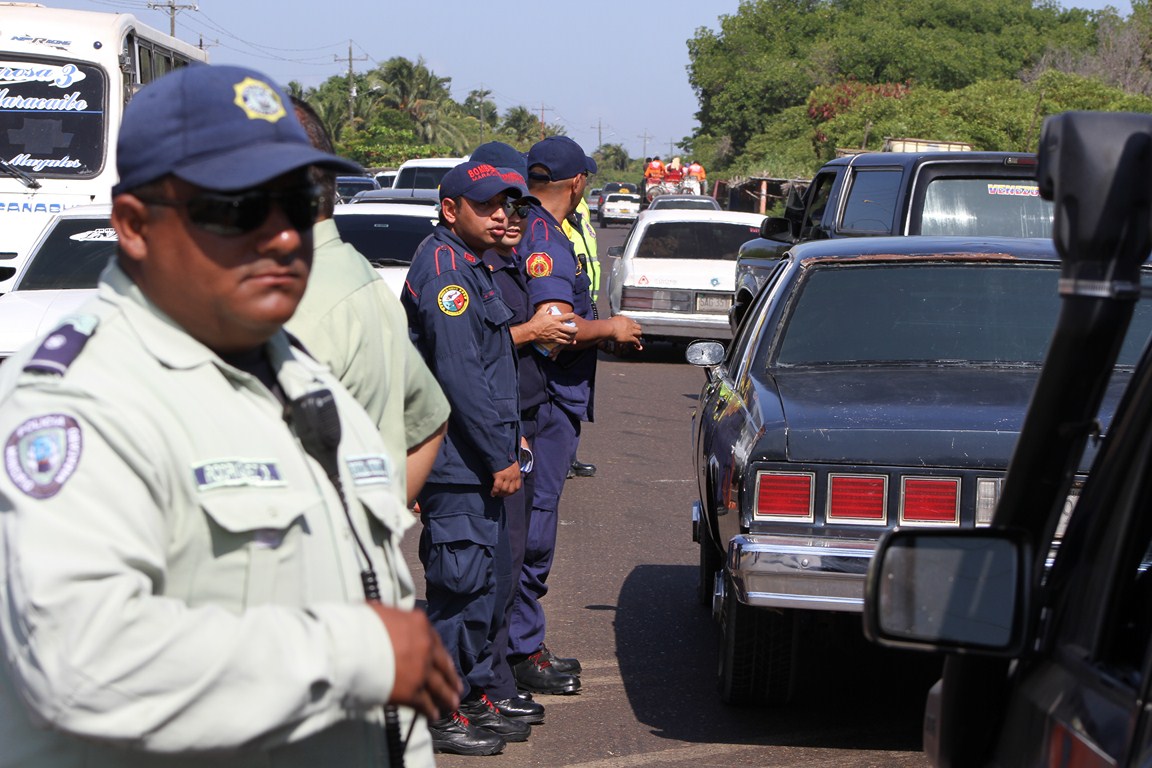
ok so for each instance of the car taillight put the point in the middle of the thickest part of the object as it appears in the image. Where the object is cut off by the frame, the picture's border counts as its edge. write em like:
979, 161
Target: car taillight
784, 494
857, 498
930, 500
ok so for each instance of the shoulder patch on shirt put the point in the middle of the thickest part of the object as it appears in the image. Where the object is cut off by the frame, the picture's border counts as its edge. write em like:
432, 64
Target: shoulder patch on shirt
61, 347
42, 453
453, 300
538, 265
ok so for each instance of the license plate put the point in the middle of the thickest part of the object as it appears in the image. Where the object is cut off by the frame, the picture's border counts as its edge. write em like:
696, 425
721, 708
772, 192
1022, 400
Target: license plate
713, 303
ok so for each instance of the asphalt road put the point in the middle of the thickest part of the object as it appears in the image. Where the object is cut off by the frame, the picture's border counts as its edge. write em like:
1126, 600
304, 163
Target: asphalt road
623, 602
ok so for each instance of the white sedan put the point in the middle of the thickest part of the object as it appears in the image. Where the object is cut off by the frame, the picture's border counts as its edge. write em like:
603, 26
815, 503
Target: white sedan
387, 234
63, 267
677, 272
65, 263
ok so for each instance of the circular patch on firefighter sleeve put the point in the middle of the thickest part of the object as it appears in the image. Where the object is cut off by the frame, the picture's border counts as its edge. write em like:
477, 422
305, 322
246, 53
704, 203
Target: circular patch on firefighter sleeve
538, 265
42, 453
453, 300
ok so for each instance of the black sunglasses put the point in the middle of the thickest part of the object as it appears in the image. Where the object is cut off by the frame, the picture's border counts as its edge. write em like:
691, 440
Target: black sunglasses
521, 209
238, 213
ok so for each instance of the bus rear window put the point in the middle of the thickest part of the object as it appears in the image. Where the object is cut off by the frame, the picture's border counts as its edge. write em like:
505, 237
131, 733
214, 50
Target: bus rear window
53, 116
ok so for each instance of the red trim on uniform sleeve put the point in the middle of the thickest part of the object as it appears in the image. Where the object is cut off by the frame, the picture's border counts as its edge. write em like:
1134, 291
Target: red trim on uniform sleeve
541, 222
436, 255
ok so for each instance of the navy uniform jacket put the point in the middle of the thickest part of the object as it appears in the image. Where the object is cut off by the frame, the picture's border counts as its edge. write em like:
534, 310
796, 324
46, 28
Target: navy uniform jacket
555, 274
513, 286
459, 323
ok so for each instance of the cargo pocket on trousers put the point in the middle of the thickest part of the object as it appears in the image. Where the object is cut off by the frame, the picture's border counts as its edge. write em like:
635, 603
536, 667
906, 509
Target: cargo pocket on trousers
461, 557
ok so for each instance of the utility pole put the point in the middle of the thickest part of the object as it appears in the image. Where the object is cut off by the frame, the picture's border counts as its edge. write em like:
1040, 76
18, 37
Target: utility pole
482, 126
351, 81
172, 9
542, 108
599, 133
645, 136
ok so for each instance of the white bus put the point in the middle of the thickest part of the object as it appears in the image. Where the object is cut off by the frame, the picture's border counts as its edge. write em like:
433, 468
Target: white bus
65, 77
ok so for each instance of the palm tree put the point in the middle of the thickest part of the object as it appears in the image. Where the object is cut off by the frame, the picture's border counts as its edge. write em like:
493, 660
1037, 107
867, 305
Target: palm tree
521, 125
612, 157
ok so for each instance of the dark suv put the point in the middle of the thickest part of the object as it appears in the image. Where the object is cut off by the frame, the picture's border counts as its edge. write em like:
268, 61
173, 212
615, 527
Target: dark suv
1046, 615
970, 194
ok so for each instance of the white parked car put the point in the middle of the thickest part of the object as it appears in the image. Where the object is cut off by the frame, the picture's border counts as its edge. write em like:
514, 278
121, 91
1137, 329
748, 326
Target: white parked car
65, 263
677, 272
63, 267
387, 234
619, 208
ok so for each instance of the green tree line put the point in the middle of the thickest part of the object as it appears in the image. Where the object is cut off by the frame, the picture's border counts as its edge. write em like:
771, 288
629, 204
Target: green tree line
402, 110
783, 84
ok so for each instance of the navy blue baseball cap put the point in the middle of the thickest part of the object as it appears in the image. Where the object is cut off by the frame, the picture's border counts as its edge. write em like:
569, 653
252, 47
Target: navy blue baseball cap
562, 156
480, 182
223, 128
501, 155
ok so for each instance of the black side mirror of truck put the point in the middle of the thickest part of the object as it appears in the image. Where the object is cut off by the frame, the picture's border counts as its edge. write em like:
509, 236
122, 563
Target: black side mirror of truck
777, 228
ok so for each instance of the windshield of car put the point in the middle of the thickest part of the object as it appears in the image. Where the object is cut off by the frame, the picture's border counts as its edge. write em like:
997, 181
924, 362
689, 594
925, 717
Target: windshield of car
72, 256
994, 207
622, 198
941, 313
700, 204
420, 177
694, 240
385, 239
349, 187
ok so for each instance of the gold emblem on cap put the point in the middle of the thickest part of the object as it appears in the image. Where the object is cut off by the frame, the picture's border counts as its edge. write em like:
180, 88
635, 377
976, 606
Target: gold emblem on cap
258, 100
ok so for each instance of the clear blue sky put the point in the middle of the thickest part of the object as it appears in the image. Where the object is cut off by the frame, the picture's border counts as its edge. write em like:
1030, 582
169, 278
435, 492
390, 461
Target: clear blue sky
628, 56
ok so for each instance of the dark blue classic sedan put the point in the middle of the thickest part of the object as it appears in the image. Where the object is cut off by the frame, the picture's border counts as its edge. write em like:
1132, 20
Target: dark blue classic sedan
873, 383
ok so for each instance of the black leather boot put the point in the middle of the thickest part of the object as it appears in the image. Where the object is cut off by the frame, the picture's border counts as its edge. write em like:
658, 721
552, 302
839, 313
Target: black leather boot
484, 714
536, 674
523, 709
456, 735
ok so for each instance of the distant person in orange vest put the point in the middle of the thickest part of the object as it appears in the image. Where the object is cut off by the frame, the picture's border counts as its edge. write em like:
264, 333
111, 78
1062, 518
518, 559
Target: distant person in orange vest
653, 175
696, 176
654, 171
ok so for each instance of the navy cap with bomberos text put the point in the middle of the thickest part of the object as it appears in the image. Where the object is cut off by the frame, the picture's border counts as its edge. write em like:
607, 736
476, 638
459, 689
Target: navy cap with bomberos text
479, 182
222, 128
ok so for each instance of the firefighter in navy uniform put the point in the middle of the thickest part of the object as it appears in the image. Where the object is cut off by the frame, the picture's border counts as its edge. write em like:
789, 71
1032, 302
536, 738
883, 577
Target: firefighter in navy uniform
557, 176
459, 323
532, 331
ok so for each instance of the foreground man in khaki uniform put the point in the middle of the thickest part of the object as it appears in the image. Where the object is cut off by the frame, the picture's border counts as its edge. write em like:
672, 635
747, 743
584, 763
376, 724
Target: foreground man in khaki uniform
192, 511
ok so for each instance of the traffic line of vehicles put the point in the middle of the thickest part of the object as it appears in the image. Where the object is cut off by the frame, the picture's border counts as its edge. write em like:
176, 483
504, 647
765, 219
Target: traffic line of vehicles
928, 419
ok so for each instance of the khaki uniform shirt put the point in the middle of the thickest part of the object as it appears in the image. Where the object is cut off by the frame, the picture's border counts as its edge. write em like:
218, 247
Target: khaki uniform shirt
179, 585
351, 321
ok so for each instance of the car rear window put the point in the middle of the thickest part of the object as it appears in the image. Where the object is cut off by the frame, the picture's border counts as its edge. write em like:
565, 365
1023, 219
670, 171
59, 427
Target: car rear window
385, 239
694, 240
999, 207
936, 313
72, 256
622, 198
702, 204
